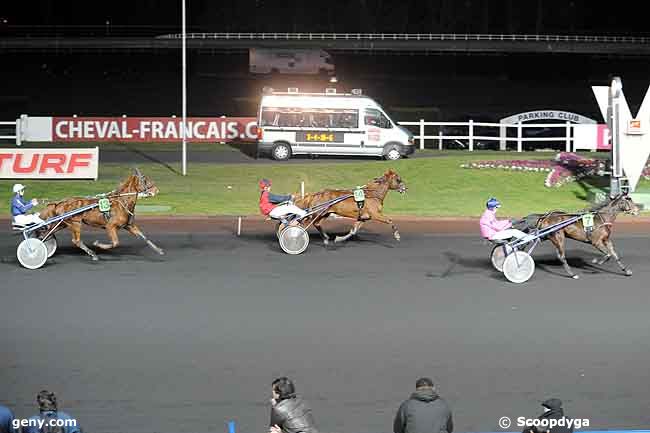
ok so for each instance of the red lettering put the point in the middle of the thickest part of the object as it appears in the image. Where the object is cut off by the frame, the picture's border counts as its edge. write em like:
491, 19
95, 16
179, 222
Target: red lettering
54, 161
79, 160
32, 166
4, 156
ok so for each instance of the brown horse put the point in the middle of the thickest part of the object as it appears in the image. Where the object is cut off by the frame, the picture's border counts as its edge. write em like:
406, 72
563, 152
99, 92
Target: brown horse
375, 192
120, 215
604, 216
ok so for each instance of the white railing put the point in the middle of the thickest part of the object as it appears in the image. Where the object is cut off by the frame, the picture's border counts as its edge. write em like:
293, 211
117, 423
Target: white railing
411, 37
4, 125
502, 131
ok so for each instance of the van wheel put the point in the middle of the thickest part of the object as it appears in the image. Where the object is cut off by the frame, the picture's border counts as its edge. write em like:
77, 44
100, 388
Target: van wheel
281, 152
393, 154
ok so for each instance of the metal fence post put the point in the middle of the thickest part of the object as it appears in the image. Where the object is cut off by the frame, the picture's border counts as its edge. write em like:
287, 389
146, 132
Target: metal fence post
519, 147
471, 135
18, 132
421, 134
440, 140
567, 146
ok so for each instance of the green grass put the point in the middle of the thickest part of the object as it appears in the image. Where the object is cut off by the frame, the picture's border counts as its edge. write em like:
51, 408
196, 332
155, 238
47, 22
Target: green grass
437, 186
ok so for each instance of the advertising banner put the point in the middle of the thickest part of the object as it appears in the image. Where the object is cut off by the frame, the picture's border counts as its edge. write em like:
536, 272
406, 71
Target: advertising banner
23, 163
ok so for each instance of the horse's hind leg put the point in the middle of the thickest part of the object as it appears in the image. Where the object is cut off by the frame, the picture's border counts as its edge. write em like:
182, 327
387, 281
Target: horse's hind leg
325, 236
111, 231
135, 231
355, 228
558, 240
610, 247
75, 228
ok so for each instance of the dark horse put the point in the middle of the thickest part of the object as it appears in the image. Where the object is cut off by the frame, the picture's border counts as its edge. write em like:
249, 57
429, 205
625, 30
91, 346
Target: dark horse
375, 192
119, 216
604, 216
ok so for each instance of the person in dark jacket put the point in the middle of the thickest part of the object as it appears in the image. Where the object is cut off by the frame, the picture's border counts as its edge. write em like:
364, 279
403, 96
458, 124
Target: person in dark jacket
424, 412
552, 410
6, 420
289, 413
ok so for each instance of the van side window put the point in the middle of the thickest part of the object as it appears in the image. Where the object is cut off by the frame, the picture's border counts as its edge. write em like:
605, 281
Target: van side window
345, 119
375, 117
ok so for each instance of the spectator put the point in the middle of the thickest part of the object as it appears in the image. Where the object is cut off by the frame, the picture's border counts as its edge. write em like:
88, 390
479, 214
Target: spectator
424, 412
552, 410
289, 413
6, 420
49, 412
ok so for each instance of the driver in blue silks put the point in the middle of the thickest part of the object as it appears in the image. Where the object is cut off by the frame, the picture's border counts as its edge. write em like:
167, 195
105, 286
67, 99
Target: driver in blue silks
20, 206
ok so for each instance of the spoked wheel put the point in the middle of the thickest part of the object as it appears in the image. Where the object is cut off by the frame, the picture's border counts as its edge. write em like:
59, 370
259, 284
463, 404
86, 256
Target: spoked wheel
498, 256
51, 245
518, 267
279, 229
32, 253
294, 240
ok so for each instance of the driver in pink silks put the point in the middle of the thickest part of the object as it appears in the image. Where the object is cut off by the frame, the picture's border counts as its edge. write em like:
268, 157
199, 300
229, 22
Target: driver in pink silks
494, 229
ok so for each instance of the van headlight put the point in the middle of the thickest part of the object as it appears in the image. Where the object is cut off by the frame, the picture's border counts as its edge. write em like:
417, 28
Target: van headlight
411, 140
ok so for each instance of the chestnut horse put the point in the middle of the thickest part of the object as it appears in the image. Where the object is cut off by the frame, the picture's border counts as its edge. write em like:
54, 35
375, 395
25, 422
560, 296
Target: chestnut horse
374, 192
604, 216
120, 215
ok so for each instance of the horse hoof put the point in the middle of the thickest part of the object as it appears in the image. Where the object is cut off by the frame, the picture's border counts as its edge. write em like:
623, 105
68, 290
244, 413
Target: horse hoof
326, 241
161, 252
338, 239
575, 277
95, 258
594, 261
628, 272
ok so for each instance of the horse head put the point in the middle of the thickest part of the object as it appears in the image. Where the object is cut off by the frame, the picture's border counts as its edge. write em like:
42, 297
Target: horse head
624, 203
144, 186
394, 181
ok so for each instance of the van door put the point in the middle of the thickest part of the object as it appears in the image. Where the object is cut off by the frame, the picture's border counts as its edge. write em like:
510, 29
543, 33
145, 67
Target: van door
377, 130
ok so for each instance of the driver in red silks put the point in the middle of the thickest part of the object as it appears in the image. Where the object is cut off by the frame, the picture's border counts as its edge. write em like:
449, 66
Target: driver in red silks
276, 205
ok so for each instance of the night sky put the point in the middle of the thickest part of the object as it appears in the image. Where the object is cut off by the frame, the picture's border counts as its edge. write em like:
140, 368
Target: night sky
371, 16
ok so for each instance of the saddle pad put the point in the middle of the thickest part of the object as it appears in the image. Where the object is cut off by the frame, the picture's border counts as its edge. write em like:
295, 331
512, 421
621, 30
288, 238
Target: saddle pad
588, 221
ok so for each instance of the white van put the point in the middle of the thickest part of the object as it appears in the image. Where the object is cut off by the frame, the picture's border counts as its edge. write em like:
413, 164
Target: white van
328, 124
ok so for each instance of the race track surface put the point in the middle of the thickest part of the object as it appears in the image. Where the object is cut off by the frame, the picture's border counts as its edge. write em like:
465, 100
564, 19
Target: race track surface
188, 341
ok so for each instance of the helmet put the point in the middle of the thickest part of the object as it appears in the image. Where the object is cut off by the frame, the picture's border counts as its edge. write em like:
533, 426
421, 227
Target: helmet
264, 183
18, 187
492, 203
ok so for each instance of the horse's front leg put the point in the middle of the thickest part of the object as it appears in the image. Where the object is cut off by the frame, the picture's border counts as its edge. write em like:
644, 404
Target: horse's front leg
111, 231
355, 228
610, 247
135, 231
599, 245
75, 229
384, 219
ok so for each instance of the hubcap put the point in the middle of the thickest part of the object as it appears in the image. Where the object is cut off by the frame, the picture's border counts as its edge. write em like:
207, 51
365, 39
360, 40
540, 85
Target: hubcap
281, 152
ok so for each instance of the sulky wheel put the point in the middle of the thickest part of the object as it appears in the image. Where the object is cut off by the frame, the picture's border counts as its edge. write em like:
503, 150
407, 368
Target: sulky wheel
294, 240
279, 229
32, 253
518, 267
498, 256
51, 245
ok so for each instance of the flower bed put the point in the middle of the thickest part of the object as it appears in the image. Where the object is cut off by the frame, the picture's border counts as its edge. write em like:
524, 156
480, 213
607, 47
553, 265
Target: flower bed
564, 168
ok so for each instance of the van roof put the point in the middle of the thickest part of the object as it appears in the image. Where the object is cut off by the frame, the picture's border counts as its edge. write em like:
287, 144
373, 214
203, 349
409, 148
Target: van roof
316, 100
